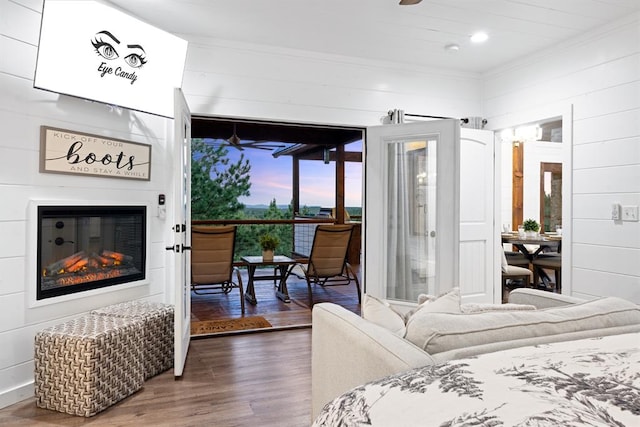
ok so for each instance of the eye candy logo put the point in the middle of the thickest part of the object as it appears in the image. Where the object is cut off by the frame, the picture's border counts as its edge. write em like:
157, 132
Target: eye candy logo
122, 60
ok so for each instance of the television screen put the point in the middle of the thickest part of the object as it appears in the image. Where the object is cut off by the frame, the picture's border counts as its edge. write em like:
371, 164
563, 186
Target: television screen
93, 51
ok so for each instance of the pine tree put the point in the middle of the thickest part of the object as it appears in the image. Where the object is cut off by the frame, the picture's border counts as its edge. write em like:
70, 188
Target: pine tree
216, 183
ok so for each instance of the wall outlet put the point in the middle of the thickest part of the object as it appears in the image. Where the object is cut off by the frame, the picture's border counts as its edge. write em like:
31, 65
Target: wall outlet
630, 213
616, 213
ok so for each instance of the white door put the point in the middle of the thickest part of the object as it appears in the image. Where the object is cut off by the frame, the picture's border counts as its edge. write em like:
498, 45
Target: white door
411, 237
181, 231
479, 267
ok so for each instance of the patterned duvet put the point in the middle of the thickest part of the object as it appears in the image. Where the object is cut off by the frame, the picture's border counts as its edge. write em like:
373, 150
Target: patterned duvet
591, 382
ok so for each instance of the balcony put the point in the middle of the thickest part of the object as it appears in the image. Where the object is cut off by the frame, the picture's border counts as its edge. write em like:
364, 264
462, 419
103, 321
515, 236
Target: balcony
277, 312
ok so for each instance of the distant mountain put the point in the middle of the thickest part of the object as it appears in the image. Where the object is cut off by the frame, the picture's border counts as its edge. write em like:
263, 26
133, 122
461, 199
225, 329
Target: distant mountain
263, 206
313, 209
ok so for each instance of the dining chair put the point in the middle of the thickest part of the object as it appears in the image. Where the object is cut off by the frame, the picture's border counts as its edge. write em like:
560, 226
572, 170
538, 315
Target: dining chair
517, 258
513, 274
212, 266
548, 263
327, 263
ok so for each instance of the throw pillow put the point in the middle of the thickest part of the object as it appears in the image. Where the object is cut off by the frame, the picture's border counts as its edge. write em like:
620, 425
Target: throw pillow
448, 302
381, 313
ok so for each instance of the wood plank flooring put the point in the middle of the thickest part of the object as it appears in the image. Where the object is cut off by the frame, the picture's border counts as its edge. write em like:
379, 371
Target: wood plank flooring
259, 379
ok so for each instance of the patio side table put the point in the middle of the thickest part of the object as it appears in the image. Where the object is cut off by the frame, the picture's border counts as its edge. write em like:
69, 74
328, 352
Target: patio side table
283, 266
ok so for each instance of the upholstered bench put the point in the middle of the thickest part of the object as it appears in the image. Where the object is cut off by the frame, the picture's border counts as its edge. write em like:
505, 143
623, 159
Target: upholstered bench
87, 364
158, 331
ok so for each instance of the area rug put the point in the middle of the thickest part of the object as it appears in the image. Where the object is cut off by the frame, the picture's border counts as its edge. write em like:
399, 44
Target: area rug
228, 325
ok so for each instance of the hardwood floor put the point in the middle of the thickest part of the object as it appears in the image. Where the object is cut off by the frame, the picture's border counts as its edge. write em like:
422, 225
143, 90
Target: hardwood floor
259, 379
256, 379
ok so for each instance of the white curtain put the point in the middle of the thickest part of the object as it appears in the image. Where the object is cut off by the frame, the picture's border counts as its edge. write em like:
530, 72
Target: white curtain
400, 275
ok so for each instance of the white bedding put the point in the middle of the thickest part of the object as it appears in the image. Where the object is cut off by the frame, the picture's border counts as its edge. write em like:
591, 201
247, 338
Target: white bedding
591, 382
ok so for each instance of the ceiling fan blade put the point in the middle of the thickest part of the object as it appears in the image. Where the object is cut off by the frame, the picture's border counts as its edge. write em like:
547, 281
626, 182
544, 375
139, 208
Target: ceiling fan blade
409, 2
257, 147
224, 143
235, 141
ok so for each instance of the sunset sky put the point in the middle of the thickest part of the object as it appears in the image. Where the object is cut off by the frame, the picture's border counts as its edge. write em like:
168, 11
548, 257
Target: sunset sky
271, 178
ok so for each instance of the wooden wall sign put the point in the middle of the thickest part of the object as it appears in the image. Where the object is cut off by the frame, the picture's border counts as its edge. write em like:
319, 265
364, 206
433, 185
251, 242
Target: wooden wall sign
68, 152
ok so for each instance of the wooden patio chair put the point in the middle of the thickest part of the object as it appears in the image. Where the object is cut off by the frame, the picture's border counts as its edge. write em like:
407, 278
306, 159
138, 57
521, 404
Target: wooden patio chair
212, 261
327, 263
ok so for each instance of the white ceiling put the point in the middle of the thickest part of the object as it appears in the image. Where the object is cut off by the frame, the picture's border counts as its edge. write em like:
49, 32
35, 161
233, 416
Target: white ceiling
384, 30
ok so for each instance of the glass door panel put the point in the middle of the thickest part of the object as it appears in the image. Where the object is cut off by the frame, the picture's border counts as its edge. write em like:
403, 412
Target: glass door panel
411, 209
411, 198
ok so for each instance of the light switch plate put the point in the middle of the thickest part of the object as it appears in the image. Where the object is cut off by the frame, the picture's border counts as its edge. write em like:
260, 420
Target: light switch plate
616, 213
630, 213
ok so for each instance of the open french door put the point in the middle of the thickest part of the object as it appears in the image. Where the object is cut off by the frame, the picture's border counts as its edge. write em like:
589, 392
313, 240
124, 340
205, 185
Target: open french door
480, 274
411, 210
181, 231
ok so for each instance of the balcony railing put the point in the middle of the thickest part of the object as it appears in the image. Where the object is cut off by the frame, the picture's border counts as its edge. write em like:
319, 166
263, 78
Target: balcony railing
296, 235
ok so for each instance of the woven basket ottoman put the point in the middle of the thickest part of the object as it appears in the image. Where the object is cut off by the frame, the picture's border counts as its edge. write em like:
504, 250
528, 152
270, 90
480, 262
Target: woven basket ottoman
158, 331
85, 365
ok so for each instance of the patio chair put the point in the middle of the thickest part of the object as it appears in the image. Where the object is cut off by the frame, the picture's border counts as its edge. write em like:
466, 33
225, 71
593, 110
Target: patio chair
327, 263
212, 261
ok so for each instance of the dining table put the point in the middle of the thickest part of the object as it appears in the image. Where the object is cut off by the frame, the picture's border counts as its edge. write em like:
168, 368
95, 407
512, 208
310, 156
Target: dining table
544, 243
533, 247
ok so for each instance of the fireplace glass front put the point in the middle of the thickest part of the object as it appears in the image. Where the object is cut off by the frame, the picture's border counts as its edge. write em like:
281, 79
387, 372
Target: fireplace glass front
81, 248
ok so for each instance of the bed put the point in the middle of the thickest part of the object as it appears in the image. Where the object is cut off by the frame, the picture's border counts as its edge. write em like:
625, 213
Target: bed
593, 382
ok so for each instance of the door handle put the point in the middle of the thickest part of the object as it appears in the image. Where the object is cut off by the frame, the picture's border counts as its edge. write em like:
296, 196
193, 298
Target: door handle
178, 248
432, 234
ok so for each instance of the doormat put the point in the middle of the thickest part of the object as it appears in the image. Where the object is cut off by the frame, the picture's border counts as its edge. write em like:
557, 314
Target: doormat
228, 325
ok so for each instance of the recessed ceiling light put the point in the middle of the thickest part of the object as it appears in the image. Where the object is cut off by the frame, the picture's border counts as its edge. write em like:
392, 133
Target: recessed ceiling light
452, 47
479, 37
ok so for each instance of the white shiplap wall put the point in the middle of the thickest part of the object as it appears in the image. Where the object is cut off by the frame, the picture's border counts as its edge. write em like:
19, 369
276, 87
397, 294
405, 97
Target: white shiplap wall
238, 79
221, 78
599, 74
23, 110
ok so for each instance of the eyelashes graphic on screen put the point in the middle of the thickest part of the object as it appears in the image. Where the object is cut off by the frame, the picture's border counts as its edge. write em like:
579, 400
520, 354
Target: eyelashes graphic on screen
105, 45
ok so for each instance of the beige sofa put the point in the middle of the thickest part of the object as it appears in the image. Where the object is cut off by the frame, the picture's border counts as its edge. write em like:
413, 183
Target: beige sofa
348, 350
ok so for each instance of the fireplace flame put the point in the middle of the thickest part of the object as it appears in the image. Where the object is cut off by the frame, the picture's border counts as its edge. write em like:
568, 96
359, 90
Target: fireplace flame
82, 267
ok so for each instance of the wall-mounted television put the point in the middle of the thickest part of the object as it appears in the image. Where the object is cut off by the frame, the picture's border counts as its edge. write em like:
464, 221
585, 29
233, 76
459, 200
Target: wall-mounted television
93, 51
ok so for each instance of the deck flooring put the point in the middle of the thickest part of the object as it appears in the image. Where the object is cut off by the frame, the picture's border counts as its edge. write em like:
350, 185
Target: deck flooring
277, 312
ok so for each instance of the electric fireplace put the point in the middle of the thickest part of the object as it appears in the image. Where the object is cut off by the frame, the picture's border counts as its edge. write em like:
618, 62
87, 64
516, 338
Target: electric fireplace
81, 248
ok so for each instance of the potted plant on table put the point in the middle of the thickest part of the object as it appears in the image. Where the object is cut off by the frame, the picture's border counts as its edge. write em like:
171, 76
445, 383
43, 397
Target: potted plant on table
531, 228
268, 243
